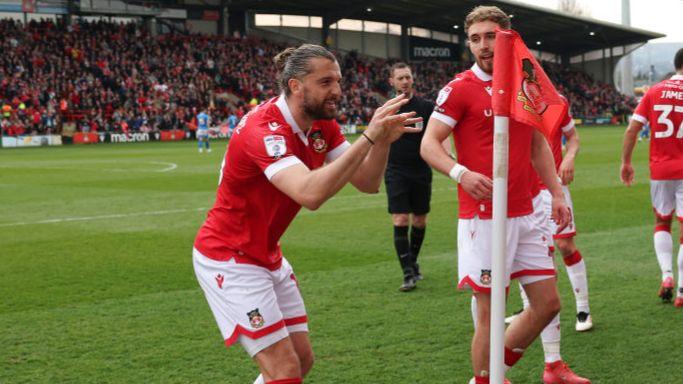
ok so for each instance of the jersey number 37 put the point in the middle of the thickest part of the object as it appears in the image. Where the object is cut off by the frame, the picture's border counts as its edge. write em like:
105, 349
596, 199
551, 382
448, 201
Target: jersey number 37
665, 119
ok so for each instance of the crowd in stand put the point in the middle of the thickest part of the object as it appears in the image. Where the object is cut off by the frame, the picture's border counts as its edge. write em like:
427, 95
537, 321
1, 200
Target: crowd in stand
589, 98
118, 77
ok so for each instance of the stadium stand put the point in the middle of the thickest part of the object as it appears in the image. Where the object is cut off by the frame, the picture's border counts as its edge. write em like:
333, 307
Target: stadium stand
104, 76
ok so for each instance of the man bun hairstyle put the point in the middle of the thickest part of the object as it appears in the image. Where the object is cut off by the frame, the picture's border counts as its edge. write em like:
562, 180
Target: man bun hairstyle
678, 60
487, 13
294, 63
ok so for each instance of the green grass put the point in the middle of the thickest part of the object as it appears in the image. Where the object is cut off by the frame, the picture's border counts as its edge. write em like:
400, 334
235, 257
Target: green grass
105, 293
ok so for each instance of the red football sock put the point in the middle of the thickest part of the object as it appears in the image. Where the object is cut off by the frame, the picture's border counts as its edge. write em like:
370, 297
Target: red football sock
512, 357
573, 258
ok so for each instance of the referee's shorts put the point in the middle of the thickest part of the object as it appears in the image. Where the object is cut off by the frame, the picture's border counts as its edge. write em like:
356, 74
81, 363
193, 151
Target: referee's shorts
407, 191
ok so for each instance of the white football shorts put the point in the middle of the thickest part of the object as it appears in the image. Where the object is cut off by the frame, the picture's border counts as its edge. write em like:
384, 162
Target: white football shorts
667, 196
251, 304
527, 257
568, 231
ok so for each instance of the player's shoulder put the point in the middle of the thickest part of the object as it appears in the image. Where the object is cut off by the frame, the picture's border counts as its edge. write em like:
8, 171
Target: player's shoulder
458, 85
264, 120
461, 81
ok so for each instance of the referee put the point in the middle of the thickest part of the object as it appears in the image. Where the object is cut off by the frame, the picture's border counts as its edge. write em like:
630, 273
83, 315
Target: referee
408, 181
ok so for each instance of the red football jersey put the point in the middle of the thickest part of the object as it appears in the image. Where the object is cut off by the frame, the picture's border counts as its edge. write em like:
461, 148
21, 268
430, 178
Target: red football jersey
662, 108
465, 106
555, 142
250, 214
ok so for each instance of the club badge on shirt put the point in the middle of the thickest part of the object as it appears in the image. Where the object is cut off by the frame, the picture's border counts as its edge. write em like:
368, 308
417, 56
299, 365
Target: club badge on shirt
255, 319
319, 144
485, 277
276, 146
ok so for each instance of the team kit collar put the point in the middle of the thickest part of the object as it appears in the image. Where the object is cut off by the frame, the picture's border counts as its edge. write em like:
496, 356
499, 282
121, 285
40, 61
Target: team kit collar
677, 77
281, 103
483, 76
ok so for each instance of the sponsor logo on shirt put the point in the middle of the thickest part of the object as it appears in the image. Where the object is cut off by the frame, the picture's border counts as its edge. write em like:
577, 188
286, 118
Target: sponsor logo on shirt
273, 126
276, 146
255, 319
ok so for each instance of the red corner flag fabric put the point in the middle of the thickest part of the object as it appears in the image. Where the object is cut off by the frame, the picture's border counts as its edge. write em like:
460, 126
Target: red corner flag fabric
521, 89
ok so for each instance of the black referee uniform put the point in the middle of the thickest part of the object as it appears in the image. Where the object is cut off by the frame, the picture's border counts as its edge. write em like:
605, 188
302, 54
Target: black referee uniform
408, 181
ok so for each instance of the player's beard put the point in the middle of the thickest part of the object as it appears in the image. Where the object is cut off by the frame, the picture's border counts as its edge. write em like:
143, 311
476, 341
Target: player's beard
485, 65
317, 110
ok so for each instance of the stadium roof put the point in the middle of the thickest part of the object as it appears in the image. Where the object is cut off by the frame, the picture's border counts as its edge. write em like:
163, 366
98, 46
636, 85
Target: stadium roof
558, 32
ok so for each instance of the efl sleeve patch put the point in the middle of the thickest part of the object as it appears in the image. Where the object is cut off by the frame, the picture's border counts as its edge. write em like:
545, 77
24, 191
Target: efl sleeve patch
443, 95
276, 146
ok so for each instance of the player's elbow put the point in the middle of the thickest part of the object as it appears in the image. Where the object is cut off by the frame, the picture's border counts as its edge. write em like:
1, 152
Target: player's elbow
312, 203
313, 200
369, 188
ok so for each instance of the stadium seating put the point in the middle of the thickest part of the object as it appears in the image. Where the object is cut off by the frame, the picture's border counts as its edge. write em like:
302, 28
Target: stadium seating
119, 78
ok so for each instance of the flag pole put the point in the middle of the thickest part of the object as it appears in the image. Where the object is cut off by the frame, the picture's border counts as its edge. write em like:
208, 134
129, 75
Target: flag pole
503, 60
498, 270
517, 78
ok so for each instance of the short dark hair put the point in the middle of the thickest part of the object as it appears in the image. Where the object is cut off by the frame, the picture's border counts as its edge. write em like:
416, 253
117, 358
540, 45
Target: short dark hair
294, 63
399, 65
678, 60
487, 13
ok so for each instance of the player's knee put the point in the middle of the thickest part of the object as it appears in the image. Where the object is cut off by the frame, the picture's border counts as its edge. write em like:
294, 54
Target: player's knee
419, 221
289, 367
483, 315
400, 220
662, 223
566, 247
550, 305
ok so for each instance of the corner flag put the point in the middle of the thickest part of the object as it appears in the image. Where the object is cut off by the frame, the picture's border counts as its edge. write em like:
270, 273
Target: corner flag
528, 95
522, 92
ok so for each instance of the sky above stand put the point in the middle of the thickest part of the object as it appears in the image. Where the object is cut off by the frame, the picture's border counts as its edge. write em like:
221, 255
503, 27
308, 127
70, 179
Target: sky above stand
663, 16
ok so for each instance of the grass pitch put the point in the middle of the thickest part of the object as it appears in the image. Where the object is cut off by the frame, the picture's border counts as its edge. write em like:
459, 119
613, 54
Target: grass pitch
96, 280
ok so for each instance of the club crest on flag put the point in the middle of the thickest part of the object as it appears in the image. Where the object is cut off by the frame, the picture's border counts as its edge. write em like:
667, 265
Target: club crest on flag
522, 91
530, 93
255, 319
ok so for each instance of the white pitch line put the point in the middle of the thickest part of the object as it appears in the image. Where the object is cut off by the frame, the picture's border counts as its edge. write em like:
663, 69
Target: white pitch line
171, 166
370, 204
102, 217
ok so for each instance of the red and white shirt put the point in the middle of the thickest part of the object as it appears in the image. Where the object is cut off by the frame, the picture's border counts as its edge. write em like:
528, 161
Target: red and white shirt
465, 106
662, 107
250, 214
555, 141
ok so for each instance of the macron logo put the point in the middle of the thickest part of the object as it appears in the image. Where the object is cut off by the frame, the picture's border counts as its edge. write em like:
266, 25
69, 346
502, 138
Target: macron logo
273, 126
219, 280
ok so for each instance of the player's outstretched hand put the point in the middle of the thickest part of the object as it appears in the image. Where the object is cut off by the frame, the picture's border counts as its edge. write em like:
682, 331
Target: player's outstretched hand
387, 126
627, 174
566, 171
477, 185
560, 213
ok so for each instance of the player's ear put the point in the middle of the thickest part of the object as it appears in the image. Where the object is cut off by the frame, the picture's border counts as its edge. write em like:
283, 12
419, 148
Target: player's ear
295, 85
